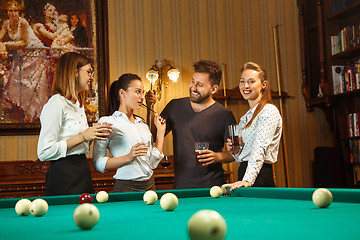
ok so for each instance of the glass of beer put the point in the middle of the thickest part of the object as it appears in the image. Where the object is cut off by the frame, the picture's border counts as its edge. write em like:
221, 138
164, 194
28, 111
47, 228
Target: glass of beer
235, 134
146, 147
198, 147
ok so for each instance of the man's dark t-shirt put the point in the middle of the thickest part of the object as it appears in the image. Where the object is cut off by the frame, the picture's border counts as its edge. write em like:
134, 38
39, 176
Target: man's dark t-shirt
188, 127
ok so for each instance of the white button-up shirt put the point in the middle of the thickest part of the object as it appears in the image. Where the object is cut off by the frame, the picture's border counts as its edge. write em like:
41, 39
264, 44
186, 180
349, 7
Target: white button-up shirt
60, 120
261, 140
126, 134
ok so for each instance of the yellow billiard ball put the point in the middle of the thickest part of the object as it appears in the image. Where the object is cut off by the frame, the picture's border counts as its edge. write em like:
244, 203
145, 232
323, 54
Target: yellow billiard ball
39, 207
86, 215
215, 191
150, 197
169, 201
322, 197
22, 207
102, 197
207, 224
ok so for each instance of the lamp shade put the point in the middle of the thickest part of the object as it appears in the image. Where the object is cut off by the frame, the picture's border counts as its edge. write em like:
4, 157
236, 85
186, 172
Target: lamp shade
173, 74
152, 76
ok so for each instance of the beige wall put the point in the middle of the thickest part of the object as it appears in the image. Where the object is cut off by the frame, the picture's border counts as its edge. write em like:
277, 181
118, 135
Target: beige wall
226, 31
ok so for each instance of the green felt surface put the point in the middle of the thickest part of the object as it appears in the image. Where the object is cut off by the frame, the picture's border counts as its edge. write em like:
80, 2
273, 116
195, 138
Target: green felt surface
256, 214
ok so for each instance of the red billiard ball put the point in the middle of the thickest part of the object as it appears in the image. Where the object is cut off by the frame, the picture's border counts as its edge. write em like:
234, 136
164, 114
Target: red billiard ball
85, 198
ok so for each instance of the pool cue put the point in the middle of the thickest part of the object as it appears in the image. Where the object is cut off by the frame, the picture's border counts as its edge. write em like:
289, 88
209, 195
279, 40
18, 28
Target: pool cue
148, 113
278, 76
229, 165
149, 108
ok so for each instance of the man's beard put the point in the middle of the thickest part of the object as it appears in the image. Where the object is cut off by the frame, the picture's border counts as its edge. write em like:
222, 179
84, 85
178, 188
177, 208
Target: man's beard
200, 98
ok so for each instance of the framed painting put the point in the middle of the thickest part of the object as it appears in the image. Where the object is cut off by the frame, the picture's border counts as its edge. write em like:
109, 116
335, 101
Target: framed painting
33, 34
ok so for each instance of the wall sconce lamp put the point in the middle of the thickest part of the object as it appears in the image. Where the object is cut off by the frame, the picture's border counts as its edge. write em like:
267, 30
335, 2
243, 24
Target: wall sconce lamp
156, 75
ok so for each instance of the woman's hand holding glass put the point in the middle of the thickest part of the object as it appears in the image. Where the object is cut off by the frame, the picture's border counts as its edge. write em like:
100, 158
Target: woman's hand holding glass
137, 150
234, 149
99, 131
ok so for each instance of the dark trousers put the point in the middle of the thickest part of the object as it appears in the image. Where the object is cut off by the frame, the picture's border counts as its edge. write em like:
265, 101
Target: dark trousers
265, 177
132, 186
69, 175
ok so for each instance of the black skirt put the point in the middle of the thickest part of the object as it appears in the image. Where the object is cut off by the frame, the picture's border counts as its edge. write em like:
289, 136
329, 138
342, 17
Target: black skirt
69, 175
264, 178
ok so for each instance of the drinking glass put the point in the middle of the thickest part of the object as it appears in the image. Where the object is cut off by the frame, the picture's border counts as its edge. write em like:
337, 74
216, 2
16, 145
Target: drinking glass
235, 134
165, 163
198, 147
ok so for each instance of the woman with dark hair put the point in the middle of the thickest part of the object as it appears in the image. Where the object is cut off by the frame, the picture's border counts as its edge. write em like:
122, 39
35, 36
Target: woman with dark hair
65, 135
47, 30
133, 154
78, 31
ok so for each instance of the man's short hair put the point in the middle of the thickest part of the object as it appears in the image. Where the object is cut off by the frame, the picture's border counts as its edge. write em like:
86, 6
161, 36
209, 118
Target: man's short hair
210, 67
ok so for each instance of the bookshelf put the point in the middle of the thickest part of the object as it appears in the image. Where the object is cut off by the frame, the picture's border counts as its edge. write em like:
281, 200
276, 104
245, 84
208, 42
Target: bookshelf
330, 52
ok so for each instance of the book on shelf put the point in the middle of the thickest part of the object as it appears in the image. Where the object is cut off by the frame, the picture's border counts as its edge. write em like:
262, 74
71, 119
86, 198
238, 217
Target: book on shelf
351, 125
348, 82
356, 124
345, 78
353, 121
347, 38
354, 146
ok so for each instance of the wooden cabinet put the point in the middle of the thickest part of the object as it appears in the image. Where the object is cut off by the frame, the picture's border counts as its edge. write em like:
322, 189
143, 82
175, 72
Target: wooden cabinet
27, 178
330, 46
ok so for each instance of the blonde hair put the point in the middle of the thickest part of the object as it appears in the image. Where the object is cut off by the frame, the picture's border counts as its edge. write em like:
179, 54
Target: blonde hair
265, 92
65, 81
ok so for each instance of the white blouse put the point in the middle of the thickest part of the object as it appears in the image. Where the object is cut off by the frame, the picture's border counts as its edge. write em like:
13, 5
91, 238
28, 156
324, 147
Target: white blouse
261, 140
60, 120
126, 134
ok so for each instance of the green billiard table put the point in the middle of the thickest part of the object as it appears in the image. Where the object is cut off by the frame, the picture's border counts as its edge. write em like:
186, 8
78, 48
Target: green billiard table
250, 213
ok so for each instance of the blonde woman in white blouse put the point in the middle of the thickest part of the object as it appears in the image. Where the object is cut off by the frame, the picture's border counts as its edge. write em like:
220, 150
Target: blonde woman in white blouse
65, 135
261, 130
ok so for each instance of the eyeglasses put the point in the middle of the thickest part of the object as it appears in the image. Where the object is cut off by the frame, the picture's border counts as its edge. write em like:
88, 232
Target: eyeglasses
90, 72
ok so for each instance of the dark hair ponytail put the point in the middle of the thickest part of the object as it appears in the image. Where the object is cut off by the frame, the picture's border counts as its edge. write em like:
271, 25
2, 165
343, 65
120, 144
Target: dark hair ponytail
122, 83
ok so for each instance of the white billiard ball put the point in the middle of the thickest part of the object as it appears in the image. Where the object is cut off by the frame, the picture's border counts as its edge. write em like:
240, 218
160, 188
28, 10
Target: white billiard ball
215, 191
102, 197
22, 207
38, 207
207, 224
150, 197
169, 201
322, 197
86, 215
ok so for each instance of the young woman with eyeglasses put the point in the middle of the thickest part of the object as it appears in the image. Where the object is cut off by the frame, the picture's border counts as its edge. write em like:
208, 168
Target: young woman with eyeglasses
65, 136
